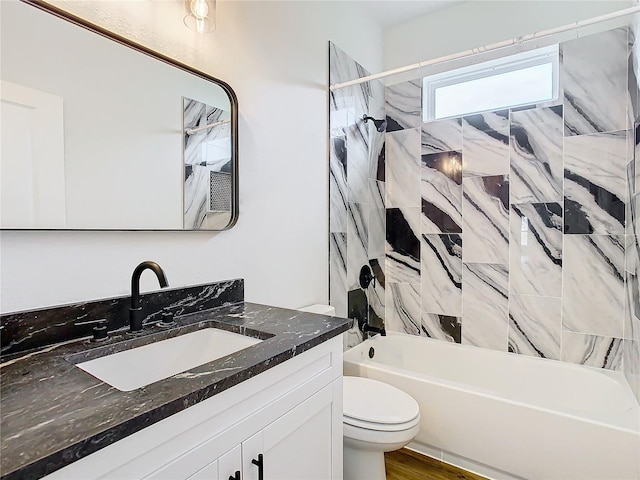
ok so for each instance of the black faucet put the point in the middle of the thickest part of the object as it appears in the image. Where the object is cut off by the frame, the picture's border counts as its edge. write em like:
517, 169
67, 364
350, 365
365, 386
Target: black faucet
135, 311
368, 328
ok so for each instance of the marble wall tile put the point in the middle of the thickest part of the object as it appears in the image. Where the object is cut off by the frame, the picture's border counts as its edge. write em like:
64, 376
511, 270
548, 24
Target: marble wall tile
486, 219
442, 327
376, 292
485, 144
593, 279
441, 274
402, 168
338, 183
358, 162
631, 329
631, 364
404, 105
536, 155
403, 308
441, 190
403, 245
377, 219
338, 273
442, 136
593, 72
535, 264
358, 308
592, 350
535, 326
633, 77
485, 305
376, 139
342, 67
357, 242
630, 223
595, 183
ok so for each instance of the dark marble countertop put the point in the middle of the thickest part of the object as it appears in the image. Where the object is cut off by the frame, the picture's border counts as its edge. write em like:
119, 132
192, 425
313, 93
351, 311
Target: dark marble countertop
54, 413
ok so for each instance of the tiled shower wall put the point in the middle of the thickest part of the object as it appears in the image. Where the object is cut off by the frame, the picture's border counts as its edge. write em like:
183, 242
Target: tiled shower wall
514, 230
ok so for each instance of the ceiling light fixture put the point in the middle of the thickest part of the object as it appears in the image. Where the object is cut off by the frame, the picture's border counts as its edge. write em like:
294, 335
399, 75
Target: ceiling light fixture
202, 16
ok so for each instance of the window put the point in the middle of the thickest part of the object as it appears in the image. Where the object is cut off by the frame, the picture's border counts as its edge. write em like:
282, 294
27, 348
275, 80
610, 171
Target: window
517, 80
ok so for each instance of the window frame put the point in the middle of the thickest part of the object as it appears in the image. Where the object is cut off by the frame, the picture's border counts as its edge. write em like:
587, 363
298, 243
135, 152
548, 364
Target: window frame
507, 64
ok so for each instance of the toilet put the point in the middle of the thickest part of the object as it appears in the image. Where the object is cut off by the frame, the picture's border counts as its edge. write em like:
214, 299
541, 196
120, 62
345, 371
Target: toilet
376, 418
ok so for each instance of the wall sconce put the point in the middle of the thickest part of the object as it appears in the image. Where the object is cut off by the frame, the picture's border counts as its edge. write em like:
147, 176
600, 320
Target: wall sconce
201, 16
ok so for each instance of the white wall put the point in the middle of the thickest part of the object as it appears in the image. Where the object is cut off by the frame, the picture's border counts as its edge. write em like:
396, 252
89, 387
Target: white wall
472, 24
274, 54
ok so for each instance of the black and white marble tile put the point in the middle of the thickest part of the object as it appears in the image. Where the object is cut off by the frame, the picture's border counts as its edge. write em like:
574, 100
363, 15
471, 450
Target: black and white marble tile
631, 329
358, 311
485, 304
486, 219
593, 284
357, 242
338, 181
633, 82
376, 139
358, 162
403, 308
402, 168
536, 155
376, 293
592, 350
403, 245
404, 105
338, 273
595, 171
441, 190
442, 327
377, 219
593, 73
343, 68
535, 263
441, 274
485, 144
535, 326
442, 136
630, 210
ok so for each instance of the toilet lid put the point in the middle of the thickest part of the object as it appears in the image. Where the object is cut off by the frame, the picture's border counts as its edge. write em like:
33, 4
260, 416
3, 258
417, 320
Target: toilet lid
376, 402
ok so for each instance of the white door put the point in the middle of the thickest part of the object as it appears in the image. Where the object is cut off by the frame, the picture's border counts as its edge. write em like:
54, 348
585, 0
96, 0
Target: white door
299, 445
32, 168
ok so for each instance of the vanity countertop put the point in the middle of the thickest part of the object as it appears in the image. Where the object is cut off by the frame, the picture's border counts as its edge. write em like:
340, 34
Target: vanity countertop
54, 413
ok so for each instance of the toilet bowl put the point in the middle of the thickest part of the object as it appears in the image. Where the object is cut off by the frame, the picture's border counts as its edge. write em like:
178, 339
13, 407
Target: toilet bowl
377, 418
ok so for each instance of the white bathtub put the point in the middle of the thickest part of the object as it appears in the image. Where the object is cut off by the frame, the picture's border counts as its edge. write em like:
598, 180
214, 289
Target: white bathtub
510, 416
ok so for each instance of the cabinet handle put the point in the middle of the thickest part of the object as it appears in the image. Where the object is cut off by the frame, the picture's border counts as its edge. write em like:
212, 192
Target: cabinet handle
260, 464
236, 476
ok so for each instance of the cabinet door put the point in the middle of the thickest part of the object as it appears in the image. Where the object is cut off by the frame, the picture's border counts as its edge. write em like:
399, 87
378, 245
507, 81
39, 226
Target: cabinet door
230, 465
299, 445
210, 472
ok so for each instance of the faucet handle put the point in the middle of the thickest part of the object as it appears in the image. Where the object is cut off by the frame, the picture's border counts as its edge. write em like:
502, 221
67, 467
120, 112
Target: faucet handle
100, 331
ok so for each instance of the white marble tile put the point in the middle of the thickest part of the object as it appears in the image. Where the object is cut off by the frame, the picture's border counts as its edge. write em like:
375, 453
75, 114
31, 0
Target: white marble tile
402, 169
338, 273
376, 139
486, 219
441, 274
377, 219
593, 72
442, 136
357, 242
593, 294
342, 67
630, 224
403, 245
338, 184
441, 190
485, 305
441, 327
535, 263
404, 105
536, 155
358, 162
403, 308
631, 329
376, 292
592, 350
485, 144
535, 326
595, 183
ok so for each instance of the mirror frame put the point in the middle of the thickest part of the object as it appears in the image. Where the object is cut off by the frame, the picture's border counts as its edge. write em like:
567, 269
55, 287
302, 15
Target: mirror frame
233, 100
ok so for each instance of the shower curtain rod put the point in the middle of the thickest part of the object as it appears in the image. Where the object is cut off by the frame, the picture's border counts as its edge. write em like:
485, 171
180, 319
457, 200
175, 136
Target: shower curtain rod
493, 46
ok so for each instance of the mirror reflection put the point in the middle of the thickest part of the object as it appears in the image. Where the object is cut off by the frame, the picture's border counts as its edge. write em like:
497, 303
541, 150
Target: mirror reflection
97, 135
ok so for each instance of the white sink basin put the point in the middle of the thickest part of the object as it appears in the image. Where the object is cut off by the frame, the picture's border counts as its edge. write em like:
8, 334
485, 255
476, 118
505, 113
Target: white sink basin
144, 365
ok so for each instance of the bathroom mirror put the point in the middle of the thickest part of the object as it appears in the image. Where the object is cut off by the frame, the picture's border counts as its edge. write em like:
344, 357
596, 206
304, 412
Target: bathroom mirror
99, 133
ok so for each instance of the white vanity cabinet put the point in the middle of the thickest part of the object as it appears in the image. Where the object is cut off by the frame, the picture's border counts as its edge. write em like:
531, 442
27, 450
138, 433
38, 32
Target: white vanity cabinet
290, 414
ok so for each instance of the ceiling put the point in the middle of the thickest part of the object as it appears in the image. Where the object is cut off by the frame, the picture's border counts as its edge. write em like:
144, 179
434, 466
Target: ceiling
392, 12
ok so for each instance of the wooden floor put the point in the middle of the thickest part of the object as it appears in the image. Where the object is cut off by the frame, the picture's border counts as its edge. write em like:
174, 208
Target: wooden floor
407, 465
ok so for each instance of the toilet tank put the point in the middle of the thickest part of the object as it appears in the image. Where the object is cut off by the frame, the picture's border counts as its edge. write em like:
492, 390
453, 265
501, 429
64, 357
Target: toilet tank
321, 309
